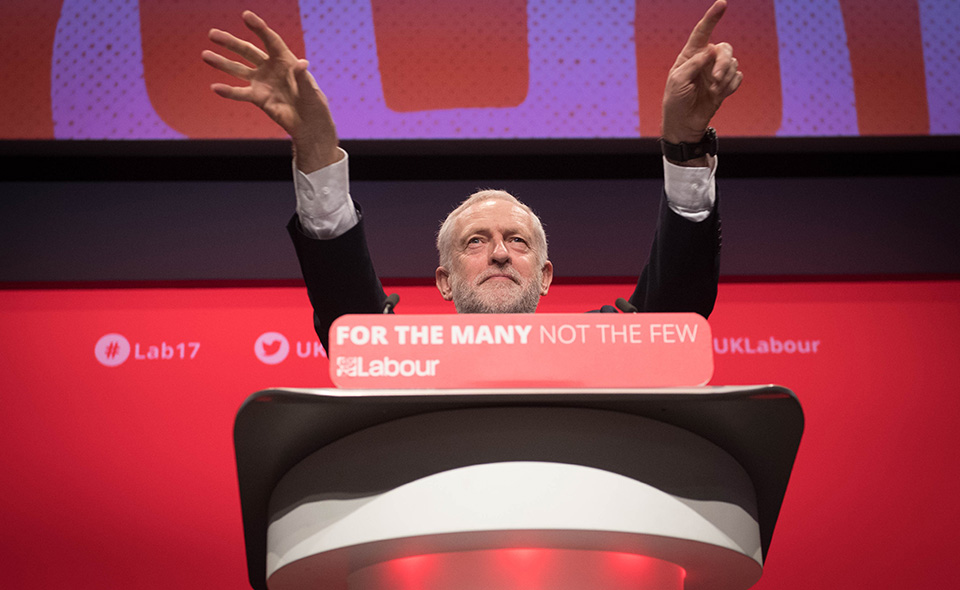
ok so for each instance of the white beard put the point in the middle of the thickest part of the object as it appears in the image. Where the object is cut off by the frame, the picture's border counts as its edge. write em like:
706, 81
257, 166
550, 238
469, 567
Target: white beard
497, 296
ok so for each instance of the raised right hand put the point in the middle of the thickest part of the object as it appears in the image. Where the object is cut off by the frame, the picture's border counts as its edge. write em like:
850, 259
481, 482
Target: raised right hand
703, 75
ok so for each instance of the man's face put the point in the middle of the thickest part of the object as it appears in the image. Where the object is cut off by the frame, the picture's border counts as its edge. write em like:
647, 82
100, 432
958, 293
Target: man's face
494, 266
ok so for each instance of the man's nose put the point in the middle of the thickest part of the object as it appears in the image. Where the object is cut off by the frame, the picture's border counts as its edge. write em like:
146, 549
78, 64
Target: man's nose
500, 254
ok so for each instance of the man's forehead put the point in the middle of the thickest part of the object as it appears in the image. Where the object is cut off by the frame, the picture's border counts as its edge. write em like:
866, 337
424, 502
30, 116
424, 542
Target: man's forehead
494, 212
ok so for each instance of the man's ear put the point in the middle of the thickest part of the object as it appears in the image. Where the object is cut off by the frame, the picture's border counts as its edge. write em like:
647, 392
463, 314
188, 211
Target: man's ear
546, 277
443, 283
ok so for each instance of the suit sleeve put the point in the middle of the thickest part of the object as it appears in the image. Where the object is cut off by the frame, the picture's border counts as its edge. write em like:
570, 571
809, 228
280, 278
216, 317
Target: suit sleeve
684, 266
339, 275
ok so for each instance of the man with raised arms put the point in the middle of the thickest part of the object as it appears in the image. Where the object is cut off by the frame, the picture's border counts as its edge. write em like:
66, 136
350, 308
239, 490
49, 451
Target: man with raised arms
492, 248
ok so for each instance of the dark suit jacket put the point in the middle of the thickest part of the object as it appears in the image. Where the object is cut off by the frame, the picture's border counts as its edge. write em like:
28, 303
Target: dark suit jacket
680, 275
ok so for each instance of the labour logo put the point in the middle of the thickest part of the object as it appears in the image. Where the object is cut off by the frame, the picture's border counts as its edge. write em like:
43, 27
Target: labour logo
112, 350
347, 365
271, 348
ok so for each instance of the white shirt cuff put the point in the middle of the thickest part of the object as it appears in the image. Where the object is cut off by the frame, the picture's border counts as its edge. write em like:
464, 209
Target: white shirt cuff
691, 192
324, 206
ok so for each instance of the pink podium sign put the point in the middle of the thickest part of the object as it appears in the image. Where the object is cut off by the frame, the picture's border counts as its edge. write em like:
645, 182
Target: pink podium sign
601, 350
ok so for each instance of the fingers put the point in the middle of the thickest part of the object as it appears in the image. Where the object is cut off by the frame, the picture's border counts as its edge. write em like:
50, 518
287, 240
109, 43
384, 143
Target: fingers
271, 39
714, 68
244, 49
724, 67
233, 92
730, 87
693, 68
724, 77
248, 51
700, 36
723, 60
235, 69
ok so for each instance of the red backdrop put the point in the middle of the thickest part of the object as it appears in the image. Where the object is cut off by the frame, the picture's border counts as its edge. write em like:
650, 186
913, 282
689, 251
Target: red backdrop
124, 476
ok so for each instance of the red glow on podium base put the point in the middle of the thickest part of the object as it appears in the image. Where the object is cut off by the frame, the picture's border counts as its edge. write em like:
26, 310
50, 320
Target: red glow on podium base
521, 569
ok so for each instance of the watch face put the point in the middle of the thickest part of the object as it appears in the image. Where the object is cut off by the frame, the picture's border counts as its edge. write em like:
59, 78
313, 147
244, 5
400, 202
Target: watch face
709, 141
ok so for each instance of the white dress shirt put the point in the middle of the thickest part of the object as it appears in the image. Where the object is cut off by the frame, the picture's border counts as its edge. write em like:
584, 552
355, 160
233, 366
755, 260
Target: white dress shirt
326, 210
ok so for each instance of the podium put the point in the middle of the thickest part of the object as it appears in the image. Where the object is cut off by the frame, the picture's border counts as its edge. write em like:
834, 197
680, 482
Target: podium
527, 488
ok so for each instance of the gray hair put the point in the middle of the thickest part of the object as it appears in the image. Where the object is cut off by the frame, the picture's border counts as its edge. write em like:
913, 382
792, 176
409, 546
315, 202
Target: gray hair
445, 235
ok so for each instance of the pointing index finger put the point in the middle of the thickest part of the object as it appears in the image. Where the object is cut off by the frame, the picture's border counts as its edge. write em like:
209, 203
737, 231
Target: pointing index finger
700, 36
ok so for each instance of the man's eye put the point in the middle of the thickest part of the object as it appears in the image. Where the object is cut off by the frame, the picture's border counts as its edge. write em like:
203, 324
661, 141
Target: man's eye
473, 241
518, 239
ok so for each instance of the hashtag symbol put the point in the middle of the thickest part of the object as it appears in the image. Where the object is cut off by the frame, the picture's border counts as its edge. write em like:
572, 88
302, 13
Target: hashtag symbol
112, 349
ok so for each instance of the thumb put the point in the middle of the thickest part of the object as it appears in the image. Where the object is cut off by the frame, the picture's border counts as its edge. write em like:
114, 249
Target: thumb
306, 84
305, 80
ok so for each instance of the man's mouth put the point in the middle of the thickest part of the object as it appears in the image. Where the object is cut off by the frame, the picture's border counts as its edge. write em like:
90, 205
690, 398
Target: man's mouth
499, 276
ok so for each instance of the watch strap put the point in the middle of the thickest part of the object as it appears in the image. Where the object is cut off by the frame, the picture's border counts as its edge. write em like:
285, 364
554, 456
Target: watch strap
682, 152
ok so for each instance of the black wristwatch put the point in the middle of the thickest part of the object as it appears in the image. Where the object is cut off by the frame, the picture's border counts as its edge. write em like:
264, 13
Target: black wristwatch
681, 152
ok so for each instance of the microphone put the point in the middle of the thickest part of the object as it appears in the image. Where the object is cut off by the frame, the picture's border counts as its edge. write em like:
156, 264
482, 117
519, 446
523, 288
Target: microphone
390, 303
625, 306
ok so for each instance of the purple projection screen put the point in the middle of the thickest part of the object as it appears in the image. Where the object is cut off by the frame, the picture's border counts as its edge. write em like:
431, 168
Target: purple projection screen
455, 69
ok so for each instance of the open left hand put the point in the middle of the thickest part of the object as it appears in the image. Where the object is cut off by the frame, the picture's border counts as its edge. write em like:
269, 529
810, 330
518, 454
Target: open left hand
281, 85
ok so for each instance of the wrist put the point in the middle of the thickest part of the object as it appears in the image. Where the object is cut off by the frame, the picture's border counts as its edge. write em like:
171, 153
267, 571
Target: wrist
677, 137
674, 130
311, 156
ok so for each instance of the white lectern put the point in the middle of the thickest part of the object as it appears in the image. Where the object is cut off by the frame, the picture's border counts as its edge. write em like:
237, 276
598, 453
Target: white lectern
513, 489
